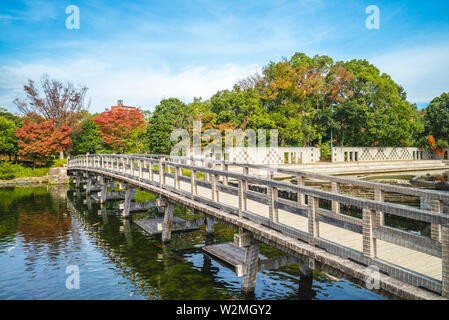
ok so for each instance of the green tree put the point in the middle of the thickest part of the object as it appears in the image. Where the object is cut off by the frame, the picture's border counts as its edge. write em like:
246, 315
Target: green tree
8, 139
377, 113
88, 139
170, 114
436, 119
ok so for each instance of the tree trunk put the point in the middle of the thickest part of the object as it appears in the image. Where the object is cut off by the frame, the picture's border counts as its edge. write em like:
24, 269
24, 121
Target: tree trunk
61, 154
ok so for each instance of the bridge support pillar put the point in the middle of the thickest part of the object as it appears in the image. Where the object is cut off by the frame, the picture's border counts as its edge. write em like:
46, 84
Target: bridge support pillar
129, 195
251, 262
104, 190
90, 181
77, 180
306, 267
168, 222
210, 222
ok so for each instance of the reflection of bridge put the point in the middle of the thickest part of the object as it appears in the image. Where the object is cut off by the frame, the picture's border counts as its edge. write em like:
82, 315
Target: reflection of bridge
408, 263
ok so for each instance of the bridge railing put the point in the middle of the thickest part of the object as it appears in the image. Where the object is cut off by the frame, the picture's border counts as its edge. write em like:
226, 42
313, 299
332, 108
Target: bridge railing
217, 176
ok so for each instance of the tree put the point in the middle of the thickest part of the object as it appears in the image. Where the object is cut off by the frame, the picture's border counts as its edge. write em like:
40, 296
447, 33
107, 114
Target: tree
39, 140
8, 139
122, 129
88, 139
377, 113
169, 114
436, 119
60, 102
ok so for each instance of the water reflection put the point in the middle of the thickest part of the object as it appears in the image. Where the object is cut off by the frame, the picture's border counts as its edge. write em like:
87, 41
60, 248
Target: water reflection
49, 230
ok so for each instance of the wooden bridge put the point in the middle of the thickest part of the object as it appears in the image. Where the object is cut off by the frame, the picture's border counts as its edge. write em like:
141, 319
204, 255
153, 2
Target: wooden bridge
411, 266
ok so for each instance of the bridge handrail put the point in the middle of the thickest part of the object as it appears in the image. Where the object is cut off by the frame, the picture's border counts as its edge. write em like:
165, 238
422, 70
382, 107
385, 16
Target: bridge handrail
362, 203
430, 194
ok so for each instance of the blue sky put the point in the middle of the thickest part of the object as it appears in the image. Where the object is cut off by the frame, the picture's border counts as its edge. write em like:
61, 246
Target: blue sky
144, 51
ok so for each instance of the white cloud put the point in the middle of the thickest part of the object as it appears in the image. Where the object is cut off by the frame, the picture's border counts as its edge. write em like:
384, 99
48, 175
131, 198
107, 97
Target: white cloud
422, 71
139, 87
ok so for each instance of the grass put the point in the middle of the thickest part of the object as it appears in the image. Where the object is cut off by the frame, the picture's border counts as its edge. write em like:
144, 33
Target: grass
10, 170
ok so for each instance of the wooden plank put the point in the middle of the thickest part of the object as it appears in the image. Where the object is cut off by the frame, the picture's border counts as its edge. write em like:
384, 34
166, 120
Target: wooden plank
229, 253
150, 226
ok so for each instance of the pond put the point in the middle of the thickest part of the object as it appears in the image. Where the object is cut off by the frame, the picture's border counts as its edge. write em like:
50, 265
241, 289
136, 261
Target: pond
45, 234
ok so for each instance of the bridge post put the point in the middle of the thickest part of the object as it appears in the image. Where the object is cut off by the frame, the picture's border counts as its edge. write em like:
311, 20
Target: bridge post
129, 195
193, 188
176, 182
168, 222
214, 188
312, 209
251, 260
369, 240
435, 229
301, 196
445, 261
379, 195
242, 196
161, 172
150, 170
225, 168
335, 204
140, 169
272, 194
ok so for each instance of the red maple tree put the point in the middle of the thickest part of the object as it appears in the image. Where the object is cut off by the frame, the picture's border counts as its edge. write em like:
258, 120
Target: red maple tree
120, 128
39, 140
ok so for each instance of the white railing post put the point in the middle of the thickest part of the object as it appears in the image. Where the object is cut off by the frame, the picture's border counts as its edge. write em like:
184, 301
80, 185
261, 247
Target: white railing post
272, 194
445, 261
314, 232
193, 187
369, 240
335, 204
300, 196
242, 196
161, 172
435, 229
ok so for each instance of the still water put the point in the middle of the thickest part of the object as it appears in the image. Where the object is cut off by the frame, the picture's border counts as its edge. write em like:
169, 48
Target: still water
44, 231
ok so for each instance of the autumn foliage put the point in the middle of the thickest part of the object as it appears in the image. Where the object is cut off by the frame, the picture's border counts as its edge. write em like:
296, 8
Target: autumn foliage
39, 140
440, 150
121, 128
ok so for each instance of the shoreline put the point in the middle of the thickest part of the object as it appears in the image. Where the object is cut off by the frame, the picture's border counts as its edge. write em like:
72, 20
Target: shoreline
35, 181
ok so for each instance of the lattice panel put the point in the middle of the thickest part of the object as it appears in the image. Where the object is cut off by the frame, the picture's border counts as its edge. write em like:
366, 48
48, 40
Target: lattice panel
272, 157
243, 156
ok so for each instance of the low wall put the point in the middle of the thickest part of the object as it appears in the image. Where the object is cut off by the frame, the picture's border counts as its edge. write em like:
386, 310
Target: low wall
267, 155
349, 154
